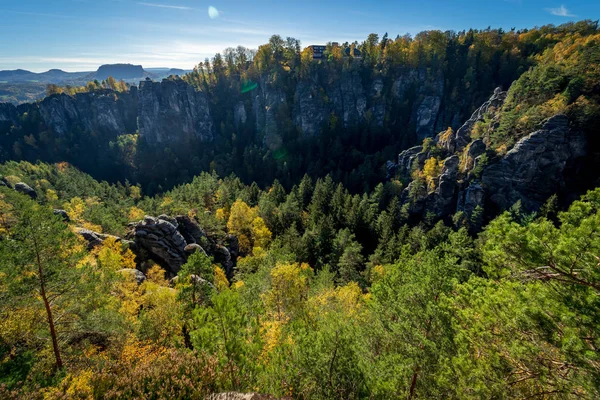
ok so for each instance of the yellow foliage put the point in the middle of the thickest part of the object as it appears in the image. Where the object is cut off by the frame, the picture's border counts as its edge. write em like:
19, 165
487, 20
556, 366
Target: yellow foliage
112, 257
431, 170
250, 229
244, 243
135, 192
167, 201
136, 214
289, 289
377, 273
75, 208
347, 299
444, 137
260, 232
238, 285
51, 195
220, 279
240, 218
222, 214
157, 275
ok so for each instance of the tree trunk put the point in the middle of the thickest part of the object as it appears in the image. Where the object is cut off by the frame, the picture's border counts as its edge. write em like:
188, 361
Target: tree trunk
413, 383
59, 363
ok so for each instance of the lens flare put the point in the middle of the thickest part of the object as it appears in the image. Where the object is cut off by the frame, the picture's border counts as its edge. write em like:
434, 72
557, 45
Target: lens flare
213, 13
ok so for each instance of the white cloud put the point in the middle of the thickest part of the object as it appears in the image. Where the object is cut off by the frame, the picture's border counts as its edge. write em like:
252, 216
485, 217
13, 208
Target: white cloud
561, 11
164, 6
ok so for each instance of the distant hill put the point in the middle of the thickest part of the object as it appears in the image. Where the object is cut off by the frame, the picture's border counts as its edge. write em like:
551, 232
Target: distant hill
52, 76
120, 71
19, 85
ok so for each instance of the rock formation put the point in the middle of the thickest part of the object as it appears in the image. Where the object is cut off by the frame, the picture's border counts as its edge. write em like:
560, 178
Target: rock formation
100, 112
462, 137
173, 111
170, 241
25, 189
133, 274
533, 169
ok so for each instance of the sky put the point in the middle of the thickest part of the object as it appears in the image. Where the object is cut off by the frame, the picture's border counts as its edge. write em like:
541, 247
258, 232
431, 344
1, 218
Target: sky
80, 35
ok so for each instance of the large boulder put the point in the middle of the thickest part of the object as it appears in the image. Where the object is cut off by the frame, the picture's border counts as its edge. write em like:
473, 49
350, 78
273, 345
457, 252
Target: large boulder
25, 189
169, 241
133, 274
162, 241
94, 238
63, 214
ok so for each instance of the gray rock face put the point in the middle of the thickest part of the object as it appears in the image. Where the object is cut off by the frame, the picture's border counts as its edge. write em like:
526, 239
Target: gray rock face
310, 111
170, 241
8, 114
162, 241
407, 159
378, 102
442, 201
172, 111
470, 198
462, 137
266, 103
94, 238
102, 112
534, 168
427, 116
239, 114
63, 214
429, 89
134, 274
25, 189
347, 97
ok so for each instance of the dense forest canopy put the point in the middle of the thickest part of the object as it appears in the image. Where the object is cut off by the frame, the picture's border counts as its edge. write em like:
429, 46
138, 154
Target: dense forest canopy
274, 256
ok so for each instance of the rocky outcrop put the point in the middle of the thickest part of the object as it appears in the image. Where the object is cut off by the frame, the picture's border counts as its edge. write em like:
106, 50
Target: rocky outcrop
534, 168
169, 241
102, 112
9, 115
163, 242
63, 214
94, 238
442, 200
25, 189
406, 161
133, 274
173, 111
477, 182
378, 102
462, 137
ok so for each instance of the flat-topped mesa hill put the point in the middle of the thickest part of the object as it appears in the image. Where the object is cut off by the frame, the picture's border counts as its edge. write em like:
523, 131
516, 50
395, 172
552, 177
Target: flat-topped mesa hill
120, 71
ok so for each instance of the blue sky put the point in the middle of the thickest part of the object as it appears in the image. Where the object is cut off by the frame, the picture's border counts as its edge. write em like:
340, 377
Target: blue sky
80, 35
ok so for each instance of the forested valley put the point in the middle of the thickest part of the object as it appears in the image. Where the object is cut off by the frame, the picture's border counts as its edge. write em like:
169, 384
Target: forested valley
419, 221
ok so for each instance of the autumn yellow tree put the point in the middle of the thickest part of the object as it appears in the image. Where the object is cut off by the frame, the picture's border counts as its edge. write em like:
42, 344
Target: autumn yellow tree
250, 229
